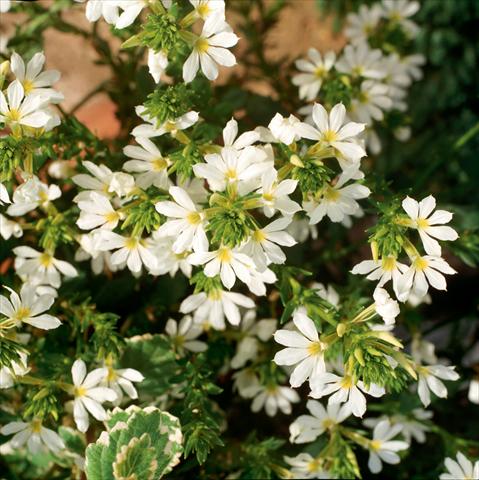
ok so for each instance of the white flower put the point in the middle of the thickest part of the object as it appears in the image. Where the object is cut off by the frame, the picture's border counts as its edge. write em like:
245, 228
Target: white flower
338, 200
262, 246
231, 139
28, 308
4, 197
386, 307
185, 333
361, 25
205, 8
97, 212
274, 397
101, 8
246, 382
15, 369
346, 391
329, 294
274, 194
35, 435
187, 223
259, 279
308, 428
89, 395
304, 349
384, 270
286, 130
232, 167
210, 49
98, 181
373, 99
473, 391
422, 351
20, 110
121, 183
157, 63
382, 448
5, 5
31, 194
306, 466
426, 223
41, 267
153, 129
428, 380
399, 11
251, 332
121, 381
133, 251
131, 10
315, 71
9, 228
412, 64
89, 250
215, 306
334, 132
149, 162
360, 61
167, 260
460, 469
424, 271
226, 262
34, 82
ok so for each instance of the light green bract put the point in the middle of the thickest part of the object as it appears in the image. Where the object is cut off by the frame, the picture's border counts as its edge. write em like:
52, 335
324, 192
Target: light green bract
139, 444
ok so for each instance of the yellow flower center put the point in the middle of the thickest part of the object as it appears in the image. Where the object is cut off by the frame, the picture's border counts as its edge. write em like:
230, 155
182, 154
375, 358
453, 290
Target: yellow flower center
259, 236
203, 10
214, 295
327, 423
231, 174
331, 194
111, 217
320, 72
131, 243
375, 445
111, 376
269, 197
13, 115
357, 71
43, 196
22, 313
224, 255
315, 348
347, 382
363, 97
193, 218
159, 164
36, 426
314, 465
80, 391
330, 136
422, 223
389, 264
420, 263
45, 260
202, 45
27, 86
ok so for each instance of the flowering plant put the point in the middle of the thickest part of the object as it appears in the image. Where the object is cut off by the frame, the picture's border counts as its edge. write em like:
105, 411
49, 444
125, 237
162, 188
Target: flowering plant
160, 286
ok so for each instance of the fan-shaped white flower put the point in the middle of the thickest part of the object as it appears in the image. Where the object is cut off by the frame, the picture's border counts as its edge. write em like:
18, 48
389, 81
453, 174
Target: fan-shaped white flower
206, 8
460, 469
4, 197
32, 194
5, 5
308, 428
382, 448
304, 349
89, 395
345, 391
98, 181
9, 228
386, 307
28, 308
41, 267
121, 381
27, 111
429, 381
34, 82
97, 212
167, 260
314, 70
226, 262
15, 369
187, 223
334, 132
231, 139
273, 398
95, 9
286, 129
149, 162
262, 246
306, 466
360, 61
428, 224
210, 49
374, 99
35, 435
399, 11
215, 306
274, 194
361, 24
185, 333
157, 63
